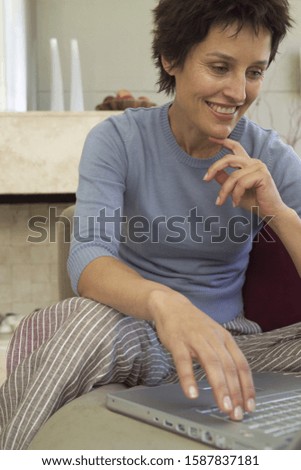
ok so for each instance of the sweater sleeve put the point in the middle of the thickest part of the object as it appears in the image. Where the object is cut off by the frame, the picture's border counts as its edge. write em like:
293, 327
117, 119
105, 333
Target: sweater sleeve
282, 161
99, 199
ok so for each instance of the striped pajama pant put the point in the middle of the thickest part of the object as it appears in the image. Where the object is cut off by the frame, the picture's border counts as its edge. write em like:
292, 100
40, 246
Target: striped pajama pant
63, 351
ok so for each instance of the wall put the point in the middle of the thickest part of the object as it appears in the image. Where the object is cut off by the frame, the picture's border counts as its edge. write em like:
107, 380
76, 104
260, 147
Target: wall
115, 45
114, 42
28, 271
279, 105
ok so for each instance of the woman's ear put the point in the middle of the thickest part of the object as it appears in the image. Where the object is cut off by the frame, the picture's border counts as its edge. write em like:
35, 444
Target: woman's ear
167, 65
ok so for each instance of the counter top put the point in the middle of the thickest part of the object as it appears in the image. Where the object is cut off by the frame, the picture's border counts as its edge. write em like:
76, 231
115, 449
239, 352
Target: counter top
40, 151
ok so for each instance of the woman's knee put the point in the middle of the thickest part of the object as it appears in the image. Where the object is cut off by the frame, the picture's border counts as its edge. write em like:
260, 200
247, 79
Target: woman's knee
37, 328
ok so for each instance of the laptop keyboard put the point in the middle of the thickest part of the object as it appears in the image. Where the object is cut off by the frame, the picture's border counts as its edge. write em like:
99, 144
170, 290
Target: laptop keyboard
278, 417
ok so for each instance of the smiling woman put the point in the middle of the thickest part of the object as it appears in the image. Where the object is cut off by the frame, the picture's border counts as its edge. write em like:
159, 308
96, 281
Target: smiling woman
220, 79
174, 38
150, 309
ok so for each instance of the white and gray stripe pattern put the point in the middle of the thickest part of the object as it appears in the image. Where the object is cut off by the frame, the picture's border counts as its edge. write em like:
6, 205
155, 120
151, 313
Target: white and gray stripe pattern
63, 351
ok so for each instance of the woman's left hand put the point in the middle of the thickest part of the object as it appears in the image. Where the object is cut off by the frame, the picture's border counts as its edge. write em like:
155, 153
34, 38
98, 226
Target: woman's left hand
250, 186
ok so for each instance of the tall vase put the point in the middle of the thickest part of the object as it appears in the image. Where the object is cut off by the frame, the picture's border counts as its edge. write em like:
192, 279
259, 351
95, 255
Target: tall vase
76, 92
57, 89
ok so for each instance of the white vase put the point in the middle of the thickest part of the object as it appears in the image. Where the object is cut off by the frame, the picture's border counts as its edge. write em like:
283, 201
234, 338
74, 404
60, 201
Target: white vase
56, 87
76, 92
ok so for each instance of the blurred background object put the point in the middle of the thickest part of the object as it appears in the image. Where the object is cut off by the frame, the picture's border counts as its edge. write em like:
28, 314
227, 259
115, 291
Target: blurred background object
124, 99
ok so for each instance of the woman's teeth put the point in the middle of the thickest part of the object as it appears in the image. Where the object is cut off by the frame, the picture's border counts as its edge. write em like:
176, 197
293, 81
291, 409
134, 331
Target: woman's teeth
222, 109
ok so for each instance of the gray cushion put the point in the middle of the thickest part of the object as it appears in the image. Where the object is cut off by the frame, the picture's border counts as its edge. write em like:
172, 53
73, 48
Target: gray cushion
86, 423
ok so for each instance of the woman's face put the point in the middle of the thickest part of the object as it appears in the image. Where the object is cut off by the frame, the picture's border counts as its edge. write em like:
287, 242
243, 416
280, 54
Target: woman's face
220, 79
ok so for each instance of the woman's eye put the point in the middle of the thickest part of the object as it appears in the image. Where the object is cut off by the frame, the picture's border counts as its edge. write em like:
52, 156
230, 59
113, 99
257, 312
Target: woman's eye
220, 69
254, 74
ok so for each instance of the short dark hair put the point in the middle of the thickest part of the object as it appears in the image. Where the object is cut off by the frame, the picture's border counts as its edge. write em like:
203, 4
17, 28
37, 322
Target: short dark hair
181, 24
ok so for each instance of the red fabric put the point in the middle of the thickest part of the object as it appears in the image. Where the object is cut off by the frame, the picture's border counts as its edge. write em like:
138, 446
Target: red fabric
272, 290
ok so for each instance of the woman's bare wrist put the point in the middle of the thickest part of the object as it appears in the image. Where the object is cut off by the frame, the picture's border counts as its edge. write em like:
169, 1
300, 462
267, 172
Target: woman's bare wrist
159, 301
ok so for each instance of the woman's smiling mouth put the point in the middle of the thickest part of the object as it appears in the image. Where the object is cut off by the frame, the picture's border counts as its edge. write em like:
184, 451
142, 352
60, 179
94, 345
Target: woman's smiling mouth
222, 109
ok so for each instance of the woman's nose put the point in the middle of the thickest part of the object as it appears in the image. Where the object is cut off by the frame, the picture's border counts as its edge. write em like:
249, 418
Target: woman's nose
236, 89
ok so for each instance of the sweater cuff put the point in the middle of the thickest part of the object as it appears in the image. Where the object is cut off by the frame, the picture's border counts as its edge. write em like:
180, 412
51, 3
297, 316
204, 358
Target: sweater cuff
81, 257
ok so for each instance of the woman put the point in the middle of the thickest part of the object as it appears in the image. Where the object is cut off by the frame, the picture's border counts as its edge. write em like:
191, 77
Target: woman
169, 200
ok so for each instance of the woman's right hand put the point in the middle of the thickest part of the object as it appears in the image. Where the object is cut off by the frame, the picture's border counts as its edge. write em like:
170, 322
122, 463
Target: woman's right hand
189, 334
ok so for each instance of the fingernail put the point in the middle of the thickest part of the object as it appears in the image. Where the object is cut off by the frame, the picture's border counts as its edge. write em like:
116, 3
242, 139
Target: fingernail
238, 413
251, 405
228, 404
193, 391
218, 201
205, 177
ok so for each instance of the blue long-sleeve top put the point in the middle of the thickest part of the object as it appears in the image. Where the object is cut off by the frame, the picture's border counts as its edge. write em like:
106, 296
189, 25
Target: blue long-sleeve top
143, 200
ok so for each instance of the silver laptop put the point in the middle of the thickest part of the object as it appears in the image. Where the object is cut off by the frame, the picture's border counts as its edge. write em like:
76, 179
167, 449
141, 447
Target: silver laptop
276, 423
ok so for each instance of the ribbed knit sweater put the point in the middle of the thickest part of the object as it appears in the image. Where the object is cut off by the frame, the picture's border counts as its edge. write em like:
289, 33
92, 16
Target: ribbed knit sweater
143, 200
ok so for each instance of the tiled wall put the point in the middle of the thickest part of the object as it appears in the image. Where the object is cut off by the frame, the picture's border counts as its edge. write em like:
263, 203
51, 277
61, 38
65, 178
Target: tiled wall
28, 271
